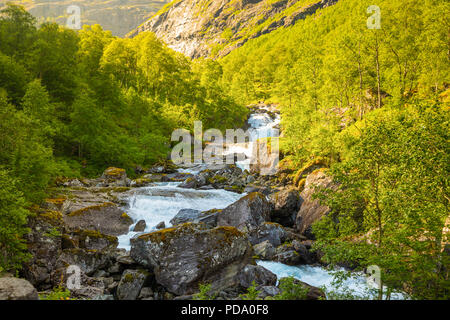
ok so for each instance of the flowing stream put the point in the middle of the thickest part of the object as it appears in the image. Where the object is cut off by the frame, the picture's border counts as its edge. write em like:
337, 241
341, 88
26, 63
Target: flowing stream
163, 201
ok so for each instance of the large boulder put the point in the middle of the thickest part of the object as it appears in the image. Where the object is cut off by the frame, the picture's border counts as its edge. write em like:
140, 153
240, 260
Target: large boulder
130, 284
189, 254
17, 289
256, 275
311, 209
286, 204
106, 218
246, 214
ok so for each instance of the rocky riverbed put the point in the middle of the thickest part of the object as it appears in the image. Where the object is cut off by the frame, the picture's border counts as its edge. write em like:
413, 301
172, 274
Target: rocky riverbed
164, 234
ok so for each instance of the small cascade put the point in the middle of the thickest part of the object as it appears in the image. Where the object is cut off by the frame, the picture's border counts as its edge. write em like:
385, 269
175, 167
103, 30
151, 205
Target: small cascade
163, 201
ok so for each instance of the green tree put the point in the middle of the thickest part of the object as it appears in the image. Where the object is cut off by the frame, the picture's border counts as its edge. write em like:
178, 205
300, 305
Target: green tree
13, 220
392, 201
17, 32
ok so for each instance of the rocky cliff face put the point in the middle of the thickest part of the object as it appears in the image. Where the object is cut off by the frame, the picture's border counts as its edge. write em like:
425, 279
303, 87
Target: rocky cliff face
118, 16
201, 28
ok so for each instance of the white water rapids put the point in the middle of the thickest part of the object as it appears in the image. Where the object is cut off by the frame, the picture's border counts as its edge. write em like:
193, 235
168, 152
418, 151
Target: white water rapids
162, 202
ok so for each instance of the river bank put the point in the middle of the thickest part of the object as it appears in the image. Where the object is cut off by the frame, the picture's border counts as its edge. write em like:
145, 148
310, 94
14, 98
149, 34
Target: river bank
167, 233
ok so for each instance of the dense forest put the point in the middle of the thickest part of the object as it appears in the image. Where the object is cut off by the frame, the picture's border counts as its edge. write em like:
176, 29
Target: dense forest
72, 104
373, 105
370, 104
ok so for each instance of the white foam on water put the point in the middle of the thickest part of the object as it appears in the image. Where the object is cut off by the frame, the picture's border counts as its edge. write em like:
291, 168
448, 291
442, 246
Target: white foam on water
162, 203
319, 276
261, 126
193, 169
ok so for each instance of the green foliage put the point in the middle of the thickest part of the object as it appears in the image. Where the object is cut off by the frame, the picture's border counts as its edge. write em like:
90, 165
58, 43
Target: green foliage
330, 70
13, 218
373, 103
74, 103
13, 78
24, 151
392, 202
58, 293
53, 233
101, 100
204, 292
252, 293
291, 289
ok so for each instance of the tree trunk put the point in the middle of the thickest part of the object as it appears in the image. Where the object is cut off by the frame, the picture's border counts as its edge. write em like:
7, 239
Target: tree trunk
377, 58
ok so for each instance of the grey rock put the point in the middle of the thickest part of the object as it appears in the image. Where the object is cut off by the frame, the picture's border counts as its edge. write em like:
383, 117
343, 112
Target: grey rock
190, 254
268, 231
207, 187
289, 257
106, 218
125, 259
246, 214
185, 215
257, 275
146, 292
268, 291
294, 253
17, 289
264, 250
161, 225
73, 183
140, 226
89, 261
189, 183
115, 177
286, 204
130, 284
311, 209
44, 250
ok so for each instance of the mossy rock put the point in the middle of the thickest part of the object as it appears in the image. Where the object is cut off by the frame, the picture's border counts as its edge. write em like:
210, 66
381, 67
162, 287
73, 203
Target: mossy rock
308, 168
182, 257
51, 216
106, 218
217, 179
114, 172
86, 210
212, 211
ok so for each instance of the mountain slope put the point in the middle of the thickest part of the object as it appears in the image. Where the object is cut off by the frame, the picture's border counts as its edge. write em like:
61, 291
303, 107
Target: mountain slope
118, 16
200, 28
